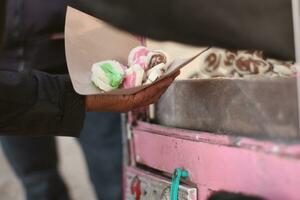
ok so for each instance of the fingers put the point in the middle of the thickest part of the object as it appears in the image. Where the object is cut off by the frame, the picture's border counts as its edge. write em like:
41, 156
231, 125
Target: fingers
153, 93
172, 76
153, 99
176, 73
153, 90
160, 85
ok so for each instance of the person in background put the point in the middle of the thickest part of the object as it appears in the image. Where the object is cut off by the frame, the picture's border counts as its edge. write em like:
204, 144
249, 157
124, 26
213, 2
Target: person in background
37, 100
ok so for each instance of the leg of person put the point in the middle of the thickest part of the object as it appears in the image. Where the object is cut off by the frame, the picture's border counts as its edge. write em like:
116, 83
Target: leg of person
35, 161
102, 145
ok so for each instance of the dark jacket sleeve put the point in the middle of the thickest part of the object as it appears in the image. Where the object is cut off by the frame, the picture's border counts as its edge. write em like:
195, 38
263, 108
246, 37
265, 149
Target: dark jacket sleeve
246, 24
36, 103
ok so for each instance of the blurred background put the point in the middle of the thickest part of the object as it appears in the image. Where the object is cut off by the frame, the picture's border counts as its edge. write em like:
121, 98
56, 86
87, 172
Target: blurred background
72, 167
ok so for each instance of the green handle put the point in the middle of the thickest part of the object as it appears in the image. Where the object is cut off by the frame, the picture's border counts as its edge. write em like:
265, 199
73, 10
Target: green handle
177, 175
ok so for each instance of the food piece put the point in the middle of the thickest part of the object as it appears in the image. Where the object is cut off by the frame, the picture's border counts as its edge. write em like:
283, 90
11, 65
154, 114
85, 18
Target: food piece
162, 67
108, 75
153, 76
155, 58
100, 84
146, 58
134, 77
156, 72
138, 56
144, 66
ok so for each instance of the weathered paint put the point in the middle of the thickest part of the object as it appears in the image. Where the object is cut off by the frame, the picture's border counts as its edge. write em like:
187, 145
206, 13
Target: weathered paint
270, 170
279, 147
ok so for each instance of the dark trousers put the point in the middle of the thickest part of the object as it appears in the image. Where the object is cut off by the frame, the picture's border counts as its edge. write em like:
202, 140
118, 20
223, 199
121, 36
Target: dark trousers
35, 160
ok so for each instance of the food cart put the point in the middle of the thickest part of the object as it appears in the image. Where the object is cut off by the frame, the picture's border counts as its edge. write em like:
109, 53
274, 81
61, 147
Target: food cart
221, 134
230, 135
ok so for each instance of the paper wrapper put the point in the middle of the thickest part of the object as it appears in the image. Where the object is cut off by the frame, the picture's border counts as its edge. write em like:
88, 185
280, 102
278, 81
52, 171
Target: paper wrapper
89, 40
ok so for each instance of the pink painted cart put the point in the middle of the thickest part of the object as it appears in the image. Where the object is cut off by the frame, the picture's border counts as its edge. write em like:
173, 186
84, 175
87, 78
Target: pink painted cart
263, 161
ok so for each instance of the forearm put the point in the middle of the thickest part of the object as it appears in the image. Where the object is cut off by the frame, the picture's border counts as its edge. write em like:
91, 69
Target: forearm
247, 24
36, 103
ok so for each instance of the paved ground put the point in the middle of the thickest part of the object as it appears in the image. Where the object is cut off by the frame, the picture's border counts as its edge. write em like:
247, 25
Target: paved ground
76, 177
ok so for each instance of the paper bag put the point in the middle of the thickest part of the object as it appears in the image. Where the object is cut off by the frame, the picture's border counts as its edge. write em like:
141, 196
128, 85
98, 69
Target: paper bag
89, 40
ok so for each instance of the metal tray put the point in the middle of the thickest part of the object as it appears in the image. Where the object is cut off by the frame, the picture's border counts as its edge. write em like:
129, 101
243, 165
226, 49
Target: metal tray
260, 107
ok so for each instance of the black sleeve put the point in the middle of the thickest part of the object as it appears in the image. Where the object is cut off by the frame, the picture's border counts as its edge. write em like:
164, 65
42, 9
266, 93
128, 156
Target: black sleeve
36, 103
246, 24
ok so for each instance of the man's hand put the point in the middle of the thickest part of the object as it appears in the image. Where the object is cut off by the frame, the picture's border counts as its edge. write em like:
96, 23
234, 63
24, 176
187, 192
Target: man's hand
125, 103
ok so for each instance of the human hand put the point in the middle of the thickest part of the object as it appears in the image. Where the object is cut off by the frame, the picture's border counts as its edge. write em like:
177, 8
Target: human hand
125, 103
